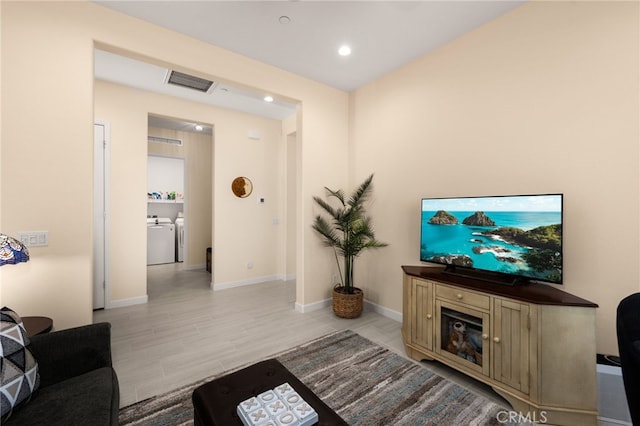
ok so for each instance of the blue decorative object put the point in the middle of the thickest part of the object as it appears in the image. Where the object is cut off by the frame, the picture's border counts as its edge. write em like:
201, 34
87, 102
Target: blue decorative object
12, 251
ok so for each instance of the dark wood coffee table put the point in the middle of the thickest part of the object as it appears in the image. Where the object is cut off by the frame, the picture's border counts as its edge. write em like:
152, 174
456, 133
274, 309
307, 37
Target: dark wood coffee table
214, 403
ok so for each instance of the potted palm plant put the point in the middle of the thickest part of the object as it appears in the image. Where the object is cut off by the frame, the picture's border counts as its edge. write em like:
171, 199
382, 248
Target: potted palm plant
348, 231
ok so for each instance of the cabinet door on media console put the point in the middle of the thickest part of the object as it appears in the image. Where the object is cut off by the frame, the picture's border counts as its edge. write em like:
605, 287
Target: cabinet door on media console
422, 306
476, 322
511, 343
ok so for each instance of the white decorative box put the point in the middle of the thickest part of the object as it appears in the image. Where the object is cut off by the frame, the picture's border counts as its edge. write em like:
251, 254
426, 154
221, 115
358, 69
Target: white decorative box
280, 406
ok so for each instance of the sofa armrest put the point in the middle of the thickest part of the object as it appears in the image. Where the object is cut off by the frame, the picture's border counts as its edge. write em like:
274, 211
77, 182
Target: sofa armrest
68, 353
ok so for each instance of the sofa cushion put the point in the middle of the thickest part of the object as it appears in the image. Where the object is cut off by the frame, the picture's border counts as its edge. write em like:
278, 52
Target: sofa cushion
89, 399
19, 370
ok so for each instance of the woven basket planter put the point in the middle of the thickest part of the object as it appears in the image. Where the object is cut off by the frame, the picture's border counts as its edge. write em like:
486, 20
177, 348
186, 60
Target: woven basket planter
347, 305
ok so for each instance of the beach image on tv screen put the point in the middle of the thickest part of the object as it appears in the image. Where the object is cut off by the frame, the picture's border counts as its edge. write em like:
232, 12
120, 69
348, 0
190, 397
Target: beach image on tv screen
517, 235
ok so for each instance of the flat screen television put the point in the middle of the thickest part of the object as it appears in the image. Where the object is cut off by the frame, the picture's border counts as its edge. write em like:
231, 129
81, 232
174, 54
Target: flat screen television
509, 239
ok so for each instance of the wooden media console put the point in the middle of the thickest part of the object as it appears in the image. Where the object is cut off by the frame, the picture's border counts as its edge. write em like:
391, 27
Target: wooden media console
533, 344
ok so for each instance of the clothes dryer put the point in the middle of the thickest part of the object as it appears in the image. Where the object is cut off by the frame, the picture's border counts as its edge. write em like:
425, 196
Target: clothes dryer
179, 239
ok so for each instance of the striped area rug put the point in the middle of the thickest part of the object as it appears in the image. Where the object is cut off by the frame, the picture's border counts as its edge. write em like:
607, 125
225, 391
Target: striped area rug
365, 384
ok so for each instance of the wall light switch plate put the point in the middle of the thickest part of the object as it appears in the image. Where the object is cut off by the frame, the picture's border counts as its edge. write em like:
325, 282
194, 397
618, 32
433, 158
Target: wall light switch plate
34, 238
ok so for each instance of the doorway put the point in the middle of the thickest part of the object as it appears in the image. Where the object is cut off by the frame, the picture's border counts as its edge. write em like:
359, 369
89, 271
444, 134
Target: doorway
165, 209
101, 163
180, 148
115, 72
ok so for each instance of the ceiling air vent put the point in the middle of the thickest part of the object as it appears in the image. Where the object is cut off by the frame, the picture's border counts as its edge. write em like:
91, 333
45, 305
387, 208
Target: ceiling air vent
168, 141
189, 81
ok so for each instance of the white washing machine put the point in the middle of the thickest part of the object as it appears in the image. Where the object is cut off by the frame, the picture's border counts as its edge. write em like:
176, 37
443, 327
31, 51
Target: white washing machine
161, 241
180, 239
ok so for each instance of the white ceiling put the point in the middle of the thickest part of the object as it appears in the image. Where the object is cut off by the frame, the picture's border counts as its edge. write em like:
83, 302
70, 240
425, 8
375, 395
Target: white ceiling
383, 35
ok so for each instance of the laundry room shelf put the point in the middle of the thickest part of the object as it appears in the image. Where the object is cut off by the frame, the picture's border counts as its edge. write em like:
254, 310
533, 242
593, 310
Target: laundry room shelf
165, 201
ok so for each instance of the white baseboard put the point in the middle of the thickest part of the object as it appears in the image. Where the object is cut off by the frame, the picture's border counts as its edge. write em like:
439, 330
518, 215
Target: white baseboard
303, 309
290, 277
127, 302
251, 281
385, 312
370, 306
614, 421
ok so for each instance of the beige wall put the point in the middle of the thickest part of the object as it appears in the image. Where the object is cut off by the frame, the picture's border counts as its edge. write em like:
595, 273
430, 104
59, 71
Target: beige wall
47, 116
544, 99
47, 134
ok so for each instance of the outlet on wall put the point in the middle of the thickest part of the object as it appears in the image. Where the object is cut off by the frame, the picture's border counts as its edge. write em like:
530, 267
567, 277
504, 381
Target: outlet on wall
334, 279
250, 264
34, 238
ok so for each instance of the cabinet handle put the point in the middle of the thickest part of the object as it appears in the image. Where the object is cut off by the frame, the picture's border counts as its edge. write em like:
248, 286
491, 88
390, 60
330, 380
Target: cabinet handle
428, 316
459, 295
485, 336
496, 339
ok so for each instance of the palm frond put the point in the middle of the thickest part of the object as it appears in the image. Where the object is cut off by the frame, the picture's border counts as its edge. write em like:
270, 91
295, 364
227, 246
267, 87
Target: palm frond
329, 234
361, 193
339, 194
333, 212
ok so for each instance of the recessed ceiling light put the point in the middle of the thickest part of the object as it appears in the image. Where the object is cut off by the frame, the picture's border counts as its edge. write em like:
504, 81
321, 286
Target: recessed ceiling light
268, 98
344, 50
284, 19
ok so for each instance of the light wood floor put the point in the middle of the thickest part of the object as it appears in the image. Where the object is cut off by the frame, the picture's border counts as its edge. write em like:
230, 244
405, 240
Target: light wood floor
187, 332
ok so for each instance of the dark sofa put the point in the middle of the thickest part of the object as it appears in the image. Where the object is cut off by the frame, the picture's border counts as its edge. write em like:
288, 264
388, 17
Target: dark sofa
628, 329
78, 385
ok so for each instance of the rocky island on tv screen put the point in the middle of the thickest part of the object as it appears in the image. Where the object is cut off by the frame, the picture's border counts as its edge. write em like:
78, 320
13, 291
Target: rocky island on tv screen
516, 235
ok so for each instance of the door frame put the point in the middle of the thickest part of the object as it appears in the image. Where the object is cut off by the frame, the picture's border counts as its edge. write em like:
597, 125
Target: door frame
185, 180
101, 188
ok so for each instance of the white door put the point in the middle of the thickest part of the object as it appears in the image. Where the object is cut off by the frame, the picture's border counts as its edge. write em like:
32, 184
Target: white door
100, 157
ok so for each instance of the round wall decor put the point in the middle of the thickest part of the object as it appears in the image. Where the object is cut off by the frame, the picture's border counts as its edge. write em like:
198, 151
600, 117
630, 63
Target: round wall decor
241, 187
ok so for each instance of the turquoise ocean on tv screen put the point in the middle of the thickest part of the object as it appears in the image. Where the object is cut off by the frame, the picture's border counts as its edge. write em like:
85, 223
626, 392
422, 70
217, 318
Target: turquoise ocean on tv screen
460, 239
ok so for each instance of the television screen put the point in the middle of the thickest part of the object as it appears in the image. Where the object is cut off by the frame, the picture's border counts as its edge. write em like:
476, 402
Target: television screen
519, 235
